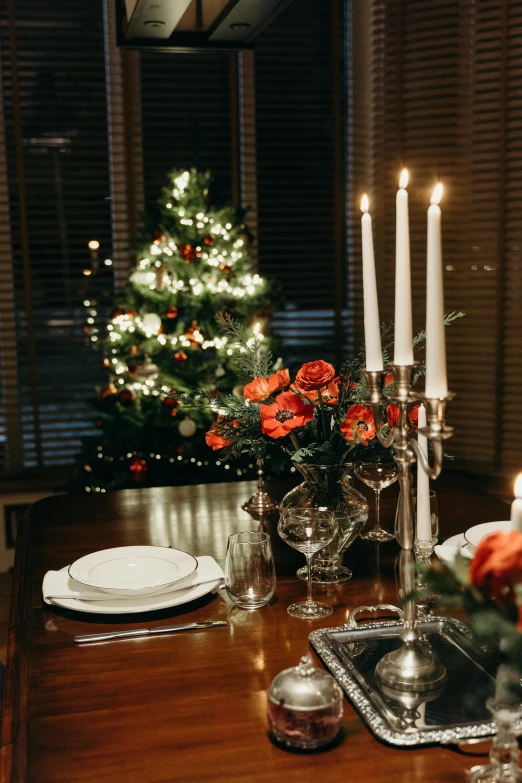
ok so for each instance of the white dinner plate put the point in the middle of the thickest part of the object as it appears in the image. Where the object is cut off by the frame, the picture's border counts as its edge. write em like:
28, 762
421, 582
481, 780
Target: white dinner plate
475, 534
453, 545
133, 570
144, 603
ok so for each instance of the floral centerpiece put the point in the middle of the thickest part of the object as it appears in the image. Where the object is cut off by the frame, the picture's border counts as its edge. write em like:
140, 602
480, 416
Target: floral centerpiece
317, 421
488, 589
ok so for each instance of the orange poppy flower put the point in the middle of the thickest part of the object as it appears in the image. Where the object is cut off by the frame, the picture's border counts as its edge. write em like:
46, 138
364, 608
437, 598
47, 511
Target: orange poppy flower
414, 416
287, 412
214, 439
389, 380
261, 388
359, 424
392, 414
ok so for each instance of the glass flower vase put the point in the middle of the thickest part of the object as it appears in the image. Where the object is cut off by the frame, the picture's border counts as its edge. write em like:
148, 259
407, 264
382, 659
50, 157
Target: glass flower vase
330, 486
504, 756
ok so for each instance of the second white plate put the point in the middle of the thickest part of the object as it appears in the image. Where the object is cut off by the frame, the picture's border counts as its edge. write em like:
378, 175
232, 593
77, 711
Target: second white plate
476, 533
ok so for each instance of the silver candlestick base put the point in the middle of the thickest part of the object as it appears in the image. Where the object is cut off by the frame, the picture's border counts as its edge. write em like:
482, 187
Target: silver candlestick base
413, 667
260, 504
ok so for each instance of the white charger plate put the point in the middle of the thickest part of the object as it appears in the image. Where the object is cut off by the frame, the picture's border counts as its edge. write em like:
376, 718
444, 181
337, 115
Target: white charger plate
476, 533
145, 603
133, 570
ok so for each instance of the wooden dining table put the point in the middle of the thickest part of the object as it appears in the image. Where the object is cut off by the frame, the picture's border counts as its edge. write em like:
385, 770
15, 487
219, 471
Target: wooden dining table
190, 706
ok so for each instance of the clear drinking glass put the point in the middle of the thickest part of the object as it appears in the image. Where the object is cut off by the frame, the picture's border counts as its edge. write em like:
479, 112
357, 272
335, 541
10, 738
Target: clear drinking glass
378, 476
250, 577
308, 530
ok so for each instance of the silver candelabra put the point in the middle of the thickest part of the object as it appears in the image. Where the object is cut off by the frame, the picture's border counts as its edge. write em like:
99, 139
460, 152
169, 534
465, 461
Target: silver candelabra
414, 666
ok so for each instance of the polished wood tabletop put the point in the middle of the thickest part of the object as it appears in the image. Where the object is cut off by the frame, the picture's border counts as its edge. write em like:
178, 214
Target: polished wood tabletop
189, 706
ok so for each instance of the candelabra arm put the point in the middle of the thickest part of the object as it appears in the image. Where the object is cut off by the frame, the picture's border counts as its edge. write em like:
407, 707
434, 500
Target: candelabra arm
434, 470
404, 532
377, 417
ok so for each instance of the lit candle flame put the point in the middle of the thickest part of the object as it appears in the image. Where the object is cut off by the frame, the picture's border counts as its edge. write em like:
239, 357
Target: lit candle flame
365, 203
93, 244
437, 193
403, 181
518, 486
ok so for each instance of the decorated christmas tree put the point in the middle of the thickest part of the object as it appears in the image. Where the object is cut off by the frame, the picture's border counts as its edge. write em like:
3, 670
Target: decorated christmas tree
162, 339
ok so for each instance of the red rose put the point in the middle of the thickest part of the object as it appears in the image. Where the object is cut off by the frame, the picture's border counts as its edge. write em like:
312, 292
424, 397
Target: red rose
329, 394
359, 424
214, 439
497, 564
287, 412
314, 375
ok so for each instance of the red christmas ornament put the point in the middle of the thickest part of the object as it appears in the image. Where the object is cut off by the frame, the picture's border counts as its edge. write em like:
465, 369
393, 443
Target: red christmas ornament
138, 468
226, 268
107, 391
180, 357
126, 397
188, 253
190, 331
171, 403
208, 240
134, 350
172, 312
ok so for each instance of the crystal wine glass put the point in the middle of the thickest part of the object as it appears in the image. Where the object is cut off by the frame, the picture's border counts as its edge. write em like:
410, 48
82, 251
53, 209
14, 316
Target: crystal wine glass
308, 530
377, 475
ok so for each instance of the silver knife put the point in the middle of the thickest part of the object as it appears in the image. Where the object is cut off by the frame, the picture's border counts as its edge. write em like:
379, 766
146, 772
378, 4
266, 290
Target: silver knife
105, 637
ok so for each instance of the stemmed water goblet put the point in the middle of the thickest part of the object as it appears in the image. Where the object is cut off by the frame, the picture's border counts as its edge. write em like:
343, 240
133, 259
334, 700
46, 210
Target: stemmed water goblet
378, 476
308, 530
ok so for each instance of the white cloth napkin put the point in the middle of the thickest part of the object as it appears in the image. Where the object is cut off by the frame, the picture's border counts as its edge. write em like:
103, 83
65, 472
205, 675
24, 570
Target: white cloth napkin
58, 584
448, 553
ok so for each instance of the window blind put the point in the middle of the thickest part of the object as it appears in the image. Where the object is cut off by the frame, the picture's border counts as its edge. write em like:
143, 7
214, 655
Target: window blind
52, 62
446, 103
186, 117
300, 110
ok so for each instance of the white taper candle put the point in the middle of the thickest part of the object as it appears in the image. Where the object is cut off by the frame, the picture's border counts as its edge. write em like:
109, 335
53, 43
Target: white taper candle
372, 330
403, 350
436, 379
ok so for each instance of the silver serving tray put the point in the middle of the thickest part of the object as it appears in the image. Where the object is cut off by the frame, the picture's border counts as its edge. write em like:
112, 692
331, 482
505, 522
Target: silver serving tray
454, 714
